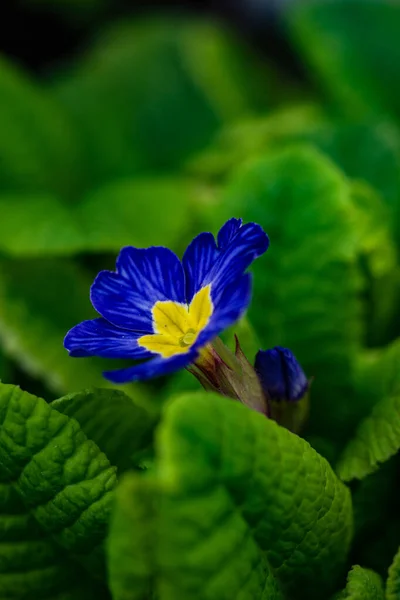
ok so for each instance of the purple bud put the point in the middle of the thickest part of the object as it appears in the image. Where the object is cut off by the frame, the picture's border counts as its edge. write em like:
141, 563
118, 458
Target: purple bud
281, 376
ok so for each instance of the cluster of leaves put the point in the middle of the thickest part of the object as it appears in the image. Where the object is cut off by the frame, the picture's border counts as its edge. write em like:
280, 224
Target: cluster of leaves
164, 128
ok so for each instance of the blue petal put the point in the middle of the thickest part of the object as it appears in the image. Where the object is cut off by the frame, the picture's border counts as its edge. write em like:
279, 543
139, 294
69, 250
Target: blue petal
116, 300
228, 232
155, 367
99, 338
247, 244
155, 272
197, 261
232, 305
144, 276
204, 263
280, 374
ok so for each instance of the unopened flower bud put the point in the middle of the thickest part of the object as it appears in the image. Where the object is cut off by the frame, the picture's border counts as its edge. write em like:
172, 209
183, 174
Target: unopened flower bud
285, 386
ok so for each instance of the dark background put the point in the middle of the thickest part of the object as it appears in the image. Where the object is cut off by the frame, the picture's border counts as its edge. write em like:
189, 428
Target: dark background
38, 36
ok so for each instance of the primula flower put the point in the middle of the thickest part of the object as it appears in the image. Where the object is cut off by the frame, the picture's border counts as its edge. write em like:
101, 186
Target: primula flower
158, 308
281, 376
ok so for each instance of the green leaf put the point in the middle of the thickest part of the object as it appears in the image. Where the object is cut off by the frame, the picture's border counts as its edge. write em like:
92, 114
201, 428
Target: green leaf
32, 565
309, 273
378, 258
393, 582
38, 147
61, 475
249, 138
241, 507
146, 211
119, 427
353, 49
156, 210
363, 584
367, 150
56, 231
131, 557
377, 373
377, 387
376, 440
150, 92
40, 301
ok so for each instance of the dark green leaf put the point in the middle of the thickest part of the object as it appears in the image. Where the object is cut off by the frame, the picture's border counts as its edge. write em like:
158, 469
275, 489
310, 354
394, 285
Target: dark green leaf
376, 440
151, 92
38, 147
32, 565
352, 46
119, 427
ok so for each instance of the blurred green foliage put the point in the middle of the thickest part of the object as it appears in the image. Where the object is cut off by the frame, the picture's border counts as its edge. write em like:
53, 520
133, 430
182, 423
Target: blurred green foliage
159, 128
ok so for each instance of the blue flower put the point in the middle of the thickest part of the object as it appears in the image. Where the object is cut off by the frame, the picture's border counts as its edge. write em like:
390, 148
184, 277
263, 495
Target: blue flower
158, 308
281, 376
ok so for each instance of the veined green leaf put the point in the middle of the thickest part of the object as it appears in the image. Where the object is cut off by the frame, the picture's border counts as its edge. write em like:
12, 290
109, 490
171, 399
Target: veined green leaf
241, 508
376, 440
32, 565
393, 582
363, 584
61, 475
119, 427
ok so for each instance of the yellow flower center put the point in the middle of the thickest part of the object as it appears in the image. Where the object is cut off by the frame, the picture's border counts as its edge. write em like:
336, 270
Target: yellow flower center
177, 326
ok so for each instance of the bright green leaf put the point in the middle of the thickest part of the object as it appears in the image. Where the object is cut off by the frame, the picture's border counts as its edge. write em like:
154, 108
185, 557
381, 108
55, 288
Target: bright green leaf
393, 582
240, 506
119, 427
61, 475
363, 584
